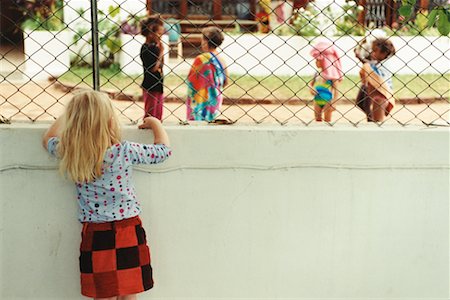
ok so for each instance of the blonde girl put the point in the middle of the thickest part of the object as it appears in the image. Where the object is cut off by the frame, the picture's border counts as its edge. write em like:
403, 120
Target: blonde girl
114, 256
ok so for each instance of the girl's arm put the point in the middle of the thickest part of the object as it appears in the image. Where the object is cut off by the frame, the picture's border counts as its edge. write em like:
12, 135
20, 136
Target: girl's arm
151, 58
363, 73
225, 70
334, 90
53, 130
156, 66
158, 63
159, 133
312, 90
225, 83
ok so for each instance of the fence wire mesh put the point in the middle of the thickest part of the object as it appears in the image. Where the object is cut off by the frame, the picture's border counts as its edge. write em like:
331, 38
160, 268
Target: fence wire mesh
267, 56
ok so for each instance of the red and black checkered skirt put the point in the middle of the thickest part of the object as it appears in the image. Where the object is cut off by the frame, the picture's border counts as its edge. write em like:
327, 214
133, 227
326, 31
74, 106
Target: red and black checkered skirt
114, 259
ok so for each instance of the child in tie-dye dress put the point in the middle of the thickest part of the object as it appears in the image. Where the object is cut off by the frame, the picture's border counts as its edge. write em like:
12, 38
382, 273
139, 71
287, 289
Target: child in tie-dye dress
206, 79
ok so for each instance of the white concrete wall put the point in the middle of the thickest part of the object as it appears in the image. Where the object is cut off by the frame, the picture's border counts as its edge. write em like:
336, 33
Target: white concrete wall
249, 212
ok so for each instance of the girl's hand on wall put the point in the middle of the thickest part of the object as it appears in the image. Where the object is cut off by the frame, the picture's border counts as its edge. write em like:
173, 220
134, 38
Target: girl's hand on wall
149, 122
159, 133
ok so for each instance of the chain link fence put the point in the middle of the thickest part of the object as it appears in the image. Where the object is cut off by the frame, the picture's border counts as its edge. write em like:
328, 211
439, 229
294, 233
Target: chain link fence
48, 51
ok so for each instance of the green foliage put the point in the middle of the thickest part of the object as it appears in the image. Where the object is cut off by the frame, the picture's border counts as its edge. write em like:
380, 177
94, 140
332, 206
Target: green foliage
444, 21
108, 35
109, 31
284, 30
305, 22
432, 17
113, 11
421, 21
417, 26
405, 10
348, 28
114, 68
439, 16
39, 15
347, 23
79, 33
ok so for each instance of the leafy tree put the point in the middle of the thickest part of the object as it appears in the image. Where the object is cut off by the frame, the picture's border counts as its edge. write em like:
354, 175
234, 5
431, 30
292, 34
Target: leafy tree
439, 15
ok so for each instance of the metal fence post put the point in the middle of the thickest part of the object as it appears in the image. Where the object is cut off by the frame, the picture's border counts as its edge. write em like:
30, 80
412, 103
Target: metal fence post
95, 45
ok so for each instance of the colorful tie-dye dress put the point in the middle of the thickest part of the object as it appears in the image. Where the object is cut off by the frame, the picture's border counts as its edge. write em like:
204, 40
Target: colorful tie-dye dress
323, 88
205, 83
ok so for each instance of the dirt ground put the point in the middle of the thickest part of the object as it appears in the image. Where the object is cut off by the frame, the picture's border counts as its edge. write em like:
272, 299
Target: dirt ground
44, 101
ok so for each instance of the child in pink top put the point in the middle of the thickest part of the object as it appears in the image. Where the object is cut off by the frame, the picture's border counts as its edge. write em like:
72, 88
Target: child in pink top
324, 85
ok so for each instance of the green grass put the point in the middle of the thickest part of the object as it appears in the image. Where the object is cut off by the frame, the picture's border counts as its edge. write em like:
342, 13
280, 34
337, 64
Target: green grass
261, 88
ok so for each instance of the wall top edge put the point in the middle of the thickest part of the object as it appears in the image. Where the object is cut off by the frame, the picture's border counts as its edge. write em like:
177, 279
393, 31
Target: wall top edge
264, 127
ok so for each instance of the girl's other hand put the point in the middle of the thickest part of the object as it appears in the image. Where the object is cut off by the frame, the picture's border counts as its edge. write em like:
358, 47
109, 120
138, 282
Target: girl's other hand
52, 131
312, 90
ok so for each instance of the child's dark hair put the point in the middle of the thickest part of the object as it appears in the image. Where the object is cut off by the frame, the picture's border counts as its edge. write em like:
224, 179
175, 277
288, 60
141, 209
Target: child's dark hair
151, 24
213, 36
385, 46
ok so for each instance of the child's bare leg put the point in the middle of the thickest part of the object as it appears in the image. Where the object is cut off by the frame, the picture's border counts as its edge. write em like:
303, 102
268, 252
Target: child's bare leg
328, 111
379, 108
127, 297
317, 112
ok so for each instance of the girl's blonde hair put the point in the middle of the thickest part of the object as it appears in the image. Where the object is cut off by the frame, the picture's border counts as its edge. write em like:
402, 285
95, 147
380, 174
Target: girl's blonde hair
90, 127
